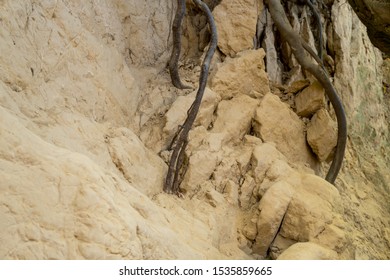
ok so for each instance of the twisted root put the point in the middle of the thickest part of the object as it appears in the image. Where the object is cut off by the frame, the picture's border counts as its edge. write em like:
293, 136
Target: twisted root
180, 141
176, 31
293, 39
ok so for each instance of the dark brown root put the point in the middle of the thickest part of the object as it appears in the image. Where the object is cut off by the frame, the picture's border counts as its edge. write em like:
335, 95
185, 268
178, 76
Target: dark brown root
176, 32
319, 27
179, 143
293, 39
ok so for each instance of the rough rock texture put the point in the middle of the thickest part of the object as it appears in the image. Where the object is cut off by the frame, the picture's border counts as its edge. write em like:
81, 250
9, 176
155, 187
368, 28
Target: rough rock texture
236, 25
358, 77
135, 161
310, 100
177, 113
307, 251
234, 117
272, 208
276, 122
313, 206
322, 134
375, 15
264, 155
244, 74
87, 111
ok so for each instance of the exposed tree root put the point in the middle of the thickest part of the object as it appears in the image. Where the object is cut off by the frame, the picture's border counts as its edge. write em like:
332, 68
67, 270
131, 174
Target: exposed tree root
319, 27
176, 33
293, 39
179, 143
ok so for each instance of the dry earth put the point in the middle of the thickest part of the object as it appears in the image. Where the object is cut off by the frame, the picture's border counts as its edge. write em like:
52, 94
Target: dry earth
87, 112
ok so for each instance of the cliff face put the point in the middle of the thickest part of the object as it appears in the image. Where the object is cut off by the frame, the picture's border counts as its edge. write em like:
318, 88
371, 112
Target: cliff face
87, 112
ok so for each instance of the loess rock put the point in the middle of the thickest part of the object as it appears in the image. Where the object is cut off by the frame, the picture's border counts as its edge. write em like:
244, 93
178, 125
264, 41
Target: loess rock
234, 117
273, 206
264, 155
322, 135
236, 25
136, 162
308, 251
244, 74
312, 208
309, 100
276, 122
279, 245
177, 114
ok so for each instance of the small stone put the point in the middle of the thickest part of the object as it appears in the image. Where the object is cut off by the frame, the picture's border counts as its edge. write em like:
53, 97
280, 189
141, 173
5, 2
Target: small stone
297, 86
322, 135
310, 100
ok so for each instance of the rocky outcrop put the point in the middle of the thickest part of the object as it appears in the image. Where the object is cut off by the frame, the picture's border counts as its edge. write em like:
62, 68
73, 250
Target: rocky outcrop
234, 117
375, 16
236, 25
310, 100
307, 251
244, 74
276, 122
87, 112
322, 135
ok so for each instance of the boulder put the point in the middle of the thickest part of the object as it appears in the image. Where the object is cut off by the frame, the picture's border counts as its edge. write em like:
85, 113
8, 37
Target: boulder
309, 100
200, 167
177, 114
308, 251
272, 208
312, 208
244, 74
236, 25
234, 117
279, 245
322, 135
276, 122
263, 156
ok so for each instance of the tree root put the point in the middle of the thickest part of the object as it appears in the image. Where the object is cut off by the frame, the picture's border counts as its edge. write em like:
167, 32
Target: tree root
176, 32
319, 26
179, 142
293, 39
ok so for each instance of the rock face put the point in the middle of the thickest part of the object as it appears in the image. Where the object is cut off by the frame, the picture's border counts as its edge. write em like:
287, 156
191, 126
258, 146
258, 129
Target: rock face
310, 100
311, 209
307, 251
272, 208
289, 136
234, 117
322, 134
243, 74
374, 15
236, 25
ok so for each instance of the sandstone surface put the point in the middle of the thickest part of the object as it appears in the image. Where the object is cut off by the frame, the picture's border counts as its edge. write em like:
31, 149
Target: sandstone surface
87, 111
236, 25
